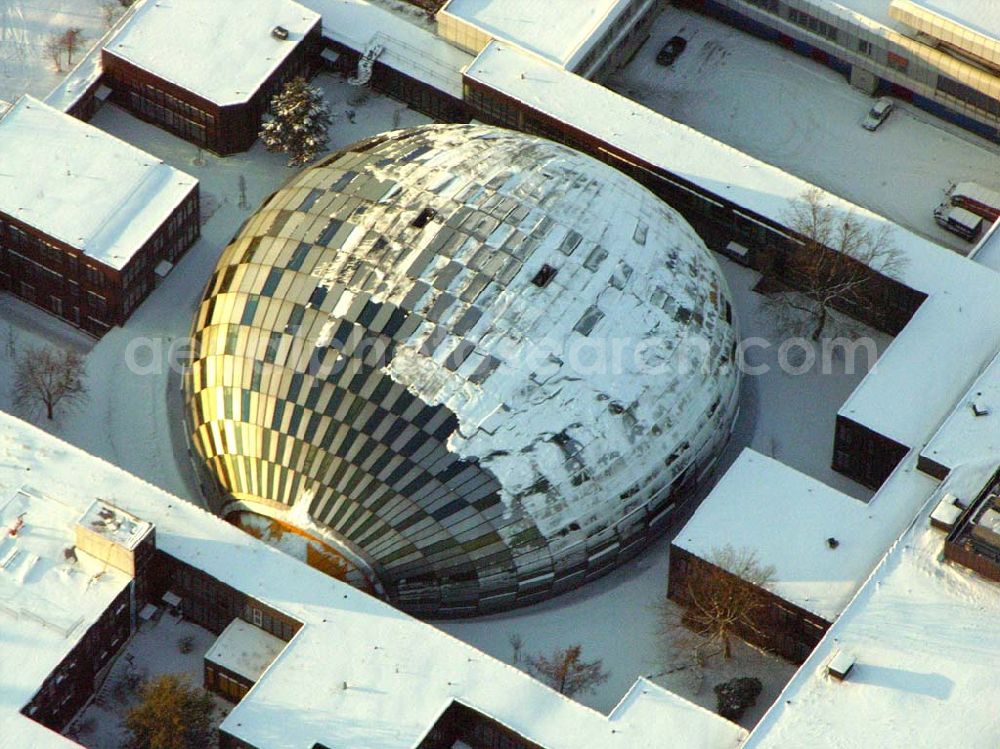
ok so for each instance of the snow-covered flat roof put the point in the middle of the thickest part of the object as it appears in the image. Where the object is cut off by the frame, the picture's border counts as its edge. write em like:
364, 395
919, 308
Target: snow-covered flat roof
408, 46
972, 431
683, 722
987, 252
875, 10
82, 186
245, 650
926, 647
933, 362
786, 517
115, 524
558, 30
220, 51
979, 16
47, 600
400, 673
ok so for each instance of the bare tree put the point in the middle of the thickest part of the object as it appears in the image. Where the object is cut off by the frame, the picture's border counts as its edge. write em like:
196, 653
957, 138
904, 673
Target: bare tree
72, 40
719, 601
110, 12
54, 49
566, 671
517, 646
832, 267
45, 378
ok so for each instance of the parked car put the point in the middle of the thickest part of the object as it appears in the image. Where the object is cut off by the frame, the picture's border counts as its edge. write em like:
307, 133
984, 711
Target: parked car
878, 114
671, 50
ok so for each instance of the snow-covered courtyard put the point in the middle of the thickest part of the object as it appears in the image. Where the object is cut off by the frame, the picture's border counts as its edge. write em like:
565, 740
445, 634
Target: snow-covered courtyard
806, 119
25, 28
169, 645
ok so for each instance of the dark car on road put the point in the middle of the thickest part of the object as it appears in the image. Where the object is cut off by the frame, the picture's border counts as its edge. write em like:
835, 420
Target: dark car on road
671, 50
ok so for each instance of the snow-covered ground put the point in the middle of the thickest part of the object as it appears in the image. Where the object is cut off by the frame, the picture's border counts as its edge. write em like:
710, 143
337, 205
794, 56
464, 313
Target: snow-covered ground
25, 27
805, 118
156, 649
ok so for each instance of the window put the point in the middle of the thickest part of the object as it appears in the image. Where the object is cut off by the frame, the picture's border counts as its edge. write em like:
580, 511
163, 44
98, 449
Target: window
813, 24
897, 62
968, 95
250, 310
273, 342
865, 47
93, 276
98, 304
271, 284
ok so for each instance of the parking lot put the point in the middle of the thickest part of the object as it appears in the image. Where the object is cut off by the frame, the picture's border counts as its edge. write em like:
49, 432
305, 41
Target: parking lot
806, 119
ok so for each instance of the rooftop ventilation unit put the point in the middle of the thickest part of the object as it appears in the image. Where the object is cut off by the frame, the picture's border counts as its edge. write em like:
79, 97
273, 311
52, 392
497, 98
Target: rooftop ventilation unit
279, 32
946, 513
840, 666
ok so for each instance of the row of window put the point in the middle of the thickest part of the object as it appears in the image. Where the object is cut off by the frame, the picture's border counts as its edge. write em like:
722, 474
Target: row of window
49, 258
183, 108
968, 95
491, 109
600, 46
813, 24
179, 124
170, 241
230, 688
215, 604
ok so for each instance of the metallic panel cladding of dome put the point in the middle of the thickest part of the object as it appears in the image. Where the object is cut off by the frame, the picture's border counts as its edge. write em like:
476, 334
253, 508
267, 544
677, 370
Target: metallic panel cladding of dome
483, 364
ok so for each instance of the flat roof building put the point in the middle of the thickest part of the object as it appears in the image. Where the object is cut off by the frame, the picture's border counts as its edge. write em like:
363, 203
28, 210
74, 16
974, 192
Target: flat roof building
57, 602
589, 37
350, 671
199, 71
941, 55
84, 217
922, 639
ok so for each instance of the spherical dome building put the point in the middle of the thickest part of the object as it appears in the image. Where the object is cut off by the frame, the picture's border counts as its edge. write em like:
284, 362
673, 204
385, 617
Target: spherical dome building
482, 364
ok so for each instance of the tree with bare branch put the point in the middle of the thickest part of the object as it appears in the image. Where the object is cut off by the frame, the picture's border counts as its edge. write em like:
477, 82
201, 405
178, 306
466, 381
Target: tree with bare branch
833, 266
53, 50
111, 11
719, 600
566, 671
72, 40
46, 378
